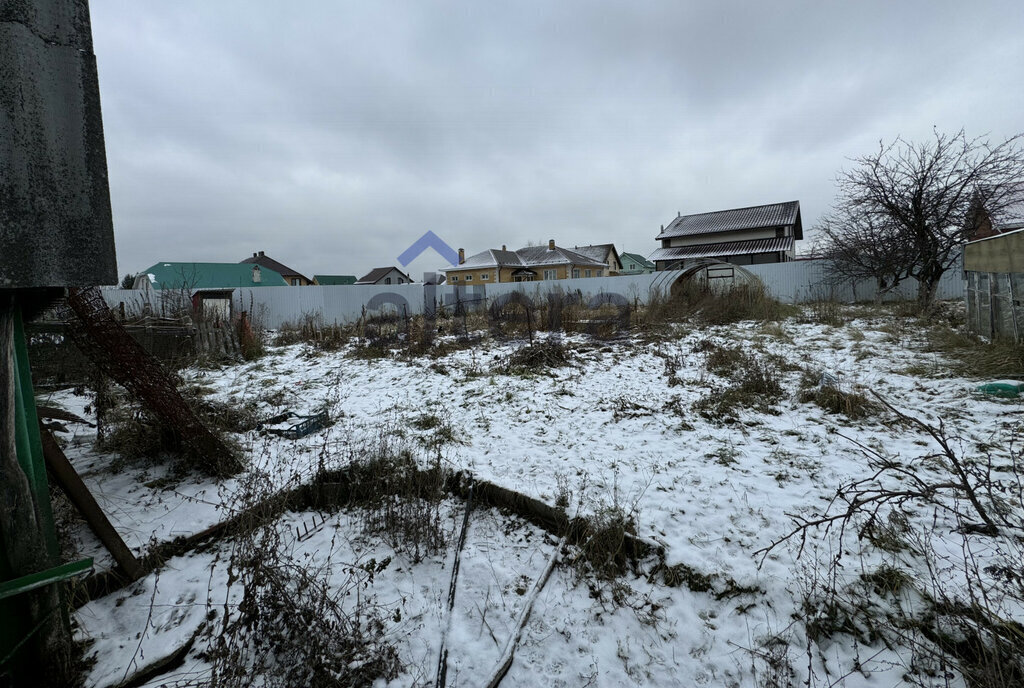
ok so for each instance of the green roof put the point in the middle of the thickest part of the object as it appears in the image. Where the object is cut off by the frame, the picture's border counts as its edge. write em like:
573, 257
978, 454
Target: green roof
334, 280
210, 276
636, 258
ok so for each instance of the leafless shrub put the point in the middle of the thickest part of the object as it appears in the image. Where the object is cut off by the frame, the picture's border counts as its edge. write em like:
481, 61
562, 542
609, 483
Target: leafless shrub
536, 357
961, 614
816, 388
754, 383
314, 332
291, 626
399, 500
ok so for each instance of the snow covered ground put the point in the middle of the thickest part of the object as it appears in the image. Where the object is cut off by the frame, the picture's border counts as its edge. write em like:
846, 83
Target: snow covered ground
615, 429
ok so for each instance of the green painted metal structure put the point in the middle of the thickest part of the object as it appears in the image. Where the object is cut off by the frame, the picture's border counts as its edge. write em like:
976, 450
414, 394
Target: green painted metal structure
14, 630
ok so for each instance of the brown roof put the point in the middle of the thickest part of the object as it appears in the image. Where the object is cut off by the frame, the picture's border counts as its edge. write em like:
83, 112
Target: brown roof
373, 276
266, 261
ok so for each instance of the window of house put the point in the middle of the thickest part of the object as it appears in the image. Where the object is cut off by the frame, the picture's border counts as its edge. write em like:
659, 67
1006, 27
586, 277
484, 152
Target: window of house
550, 274
387, 280
401, 281
469, 278
454, 278
485, 276
600, 272
575, 273
780, 232
295, 281
586, 273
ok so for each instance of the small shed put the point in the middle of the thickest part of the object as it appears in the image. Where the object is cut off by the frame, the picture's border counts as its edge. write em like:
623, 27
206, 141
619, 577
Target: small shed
995, 285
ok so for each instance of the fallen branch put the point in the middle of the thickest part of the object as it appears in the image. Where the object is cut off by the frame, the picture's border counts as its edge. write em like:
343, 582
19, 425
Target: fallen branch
510, 647
442, 657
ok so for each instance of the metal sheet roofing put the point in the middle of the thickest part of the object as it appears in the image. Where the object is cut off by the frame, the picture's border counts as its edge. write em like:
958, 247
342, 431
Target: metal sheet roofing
377, 274
334, 280
542, 255
597, 252
491, 258
754, 217
636, 258
266, 261
225, 276
727, 248
529, 256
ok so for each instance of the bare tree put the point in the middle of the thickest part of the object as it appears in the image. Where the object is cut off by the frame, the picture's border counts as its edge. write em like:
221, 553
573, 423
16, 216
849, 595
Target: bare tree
905, 210
860, 247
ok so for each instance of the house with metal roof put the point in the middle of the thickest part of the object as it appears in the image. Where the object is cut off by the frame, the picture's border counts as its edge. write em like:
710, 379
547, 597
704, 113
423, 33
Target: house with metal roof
205, 288
206, 276
384, 276
605, 253
528, 264
333, 280
742, 236
635, 264
291, 277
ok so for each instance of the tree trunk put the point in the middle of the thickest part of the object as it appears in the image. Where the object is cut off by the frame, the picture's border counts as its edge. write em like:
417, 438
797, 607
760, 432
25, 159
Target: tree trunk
927, 287
44, 660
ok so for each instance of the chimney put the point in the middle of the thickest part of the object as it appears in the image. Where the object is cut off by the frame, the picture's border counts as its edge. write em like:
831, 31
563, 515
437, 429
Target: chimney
255, 255
503, 247
551, 244
261, 254
462, 256
256, 276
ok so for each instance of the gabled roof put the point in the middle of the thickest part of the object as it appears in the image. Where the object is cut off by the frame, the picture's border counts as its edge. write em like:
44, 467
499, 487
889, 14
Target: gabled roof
377, 274
334, 280
597, 252
530, 256
267, 262
754, 217
1010, 218
542, 255
636, 258
491, 258
725, 248
195, 276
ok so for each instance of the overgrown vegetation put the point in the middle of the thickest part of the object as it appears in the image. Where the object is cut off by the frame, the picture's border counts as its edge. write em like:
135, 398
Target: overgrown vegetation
312, 331
973, 357
697, 302
398, 500
823, 390
962, 614
295, 625
754, 382
536, 357
127, 428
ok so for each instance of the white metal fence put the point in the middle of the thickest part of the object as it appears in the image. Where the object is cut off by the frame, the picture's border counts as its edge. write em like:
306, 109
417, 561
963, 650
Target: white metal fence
795, 282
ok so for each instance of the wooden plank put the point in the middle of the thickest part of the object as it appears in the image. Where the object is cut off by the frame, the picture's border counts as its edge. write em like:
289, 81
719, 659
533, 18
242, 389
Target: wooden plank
79, 494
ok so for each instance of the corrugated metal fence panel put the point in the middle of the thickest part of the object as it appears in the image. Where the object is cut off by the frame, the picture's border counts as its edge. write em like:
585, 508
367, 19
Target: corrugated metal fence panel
794, 282
134, 300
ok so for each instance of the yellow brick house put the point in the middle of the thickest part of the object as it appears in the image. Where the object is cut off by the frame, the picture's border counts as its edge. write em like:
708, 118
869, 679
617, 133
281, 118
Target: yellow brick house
529, 264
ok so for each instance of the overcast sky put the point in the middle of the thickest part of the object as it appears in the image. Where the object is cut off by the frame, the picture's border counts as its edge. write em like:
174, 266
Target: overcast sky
333, 134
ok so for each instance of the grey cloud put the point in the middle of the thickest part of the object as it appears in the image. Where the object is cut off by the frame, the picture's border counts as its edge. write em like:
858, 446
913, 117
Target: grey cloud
332, 135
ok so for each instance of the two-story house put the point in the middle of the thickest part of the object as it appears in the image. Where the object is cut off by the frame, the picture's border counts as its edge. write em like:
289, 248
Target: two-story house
742, 236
